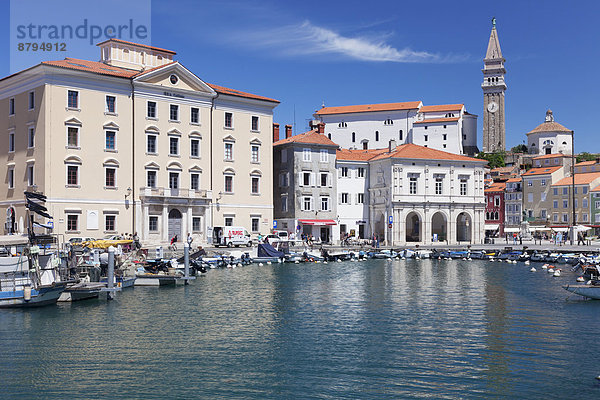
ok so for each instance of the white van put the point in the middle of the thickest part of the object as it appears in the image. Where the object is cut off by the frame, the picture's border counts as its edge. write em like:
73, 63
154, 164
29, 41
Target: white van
231, 236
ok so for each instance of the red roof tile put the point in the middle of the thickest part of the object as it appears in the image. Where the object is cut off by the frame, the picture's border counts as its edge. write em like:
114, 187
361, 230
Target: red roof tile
542, 171
434, 120
310, 137
442, 107
137, 44
550, 156
414, 151
358, 155
410, 105
584, 163
95, 67
517, 179
234, 92
496, 187
580, 179
549, 127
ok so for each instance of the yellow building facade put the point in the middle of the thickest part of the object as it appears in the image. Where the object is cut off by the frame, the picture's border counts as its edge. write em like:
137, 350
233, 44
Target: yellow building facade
135, 142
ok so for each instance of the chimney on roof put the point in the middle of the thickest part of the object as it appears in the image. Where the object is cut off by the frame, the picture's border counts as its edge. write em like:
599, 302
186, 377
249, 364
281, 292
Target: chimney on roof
321, 127
275, 132
288, 131
392, 145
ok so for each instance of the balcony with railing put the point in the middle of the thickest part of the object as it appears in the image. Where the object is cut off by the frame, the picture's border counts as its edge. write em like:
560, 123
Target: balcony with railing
176, 193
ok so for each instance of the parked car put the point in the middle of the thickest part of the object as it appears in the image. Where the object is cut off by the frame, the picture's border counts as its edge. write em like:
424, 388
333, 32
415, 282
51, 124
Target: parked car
272, 238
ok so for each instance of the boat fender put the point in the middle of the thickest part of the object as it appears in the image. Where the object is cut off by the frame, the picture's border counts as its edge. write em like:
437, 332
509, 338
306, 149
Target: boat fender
27, 293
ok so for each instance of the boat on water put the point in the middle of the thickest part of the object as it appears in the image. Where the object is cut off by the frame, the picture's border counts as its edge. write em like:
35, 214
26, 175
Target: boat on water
590, 290
82, 291
144, 278
121, 281
28, 277
538, 256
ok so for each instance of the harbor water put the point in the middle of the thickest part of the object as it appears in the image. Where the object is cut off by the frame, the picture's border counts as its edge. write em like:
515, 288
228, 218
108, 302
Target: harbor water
371, 329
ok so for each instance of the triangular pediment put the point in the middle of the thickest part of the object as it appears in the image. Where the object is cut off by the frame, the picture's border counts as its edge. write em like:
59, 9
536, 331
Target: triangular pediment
110, 125
73, 121
183, 79
151, 165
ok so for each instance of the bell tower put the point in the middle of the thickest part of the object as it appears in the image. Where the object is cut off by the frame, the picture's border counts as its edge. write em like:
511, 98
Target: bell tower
494, 86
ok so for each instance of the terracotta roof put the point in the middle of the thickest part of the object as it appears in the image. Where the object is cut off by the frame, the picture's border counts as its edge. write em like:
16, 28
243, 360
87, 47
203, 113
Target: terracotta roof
310, 137
95, 67
432, 120
410, 150
549, 127
146, 71
542, 170
137, 44
442, 107
234, 92
496, 187
502, 169
409, 105
580, 179
358, 155
596, 189
550, 156
518, 179
584, 163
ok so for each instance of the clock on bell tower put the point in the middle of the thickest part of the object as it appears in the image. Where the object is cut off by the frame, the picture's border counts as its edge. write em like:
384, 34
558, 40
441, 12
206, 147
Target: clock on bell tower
494, 86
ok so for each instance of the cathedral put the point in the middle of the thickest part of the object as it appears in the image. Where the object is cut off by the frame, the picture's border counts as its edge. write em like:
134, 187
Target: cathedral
494, 86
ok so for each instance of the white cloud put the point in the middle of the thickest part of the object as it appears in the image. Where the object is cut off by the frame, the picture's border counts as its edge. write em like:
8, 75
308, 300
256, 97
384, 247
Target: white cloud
307, 39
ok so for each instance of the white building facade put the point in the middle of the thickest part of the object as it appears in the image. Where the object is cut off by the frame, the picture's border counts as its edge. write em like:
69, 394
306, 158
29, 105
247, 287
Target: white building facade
422, 195
550, 137
353, 191
446, 127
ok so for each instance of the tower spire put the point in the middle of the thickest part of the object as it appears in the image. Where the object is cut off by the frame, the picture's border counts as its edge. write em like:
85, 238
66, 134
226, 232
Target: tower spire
494, 86
493, 50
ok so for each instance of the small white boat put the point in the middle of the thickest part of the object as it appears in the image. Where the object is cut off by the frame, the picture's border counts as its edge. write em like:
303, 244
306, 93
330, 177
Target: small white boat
556, 273
532, 269
550, 270
580, 279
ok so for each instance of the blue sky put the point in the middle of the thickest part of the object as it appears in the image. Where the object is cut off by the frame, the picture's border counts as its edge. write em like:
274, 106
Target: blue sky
355, 52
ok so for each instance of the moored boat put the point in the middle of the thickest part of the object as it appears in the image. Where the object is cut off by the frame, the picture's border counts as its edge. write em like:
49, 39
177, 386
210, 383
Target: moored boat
28, 279
82, 291
590, 291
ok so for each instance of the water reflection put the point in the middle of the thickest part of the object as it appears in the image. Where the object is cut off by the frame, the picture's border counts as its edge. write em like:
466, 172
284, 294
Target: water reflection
392, 329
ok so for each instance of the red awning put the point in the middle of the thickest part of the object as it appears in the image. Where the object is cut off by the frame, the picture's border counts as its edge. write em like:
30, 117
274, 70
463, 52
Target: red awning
317, 221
